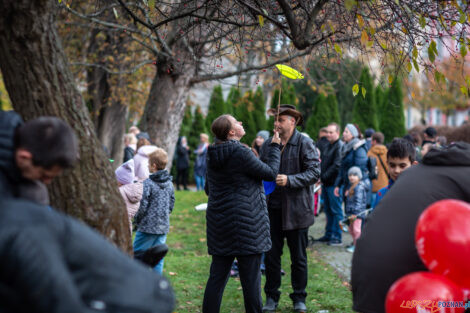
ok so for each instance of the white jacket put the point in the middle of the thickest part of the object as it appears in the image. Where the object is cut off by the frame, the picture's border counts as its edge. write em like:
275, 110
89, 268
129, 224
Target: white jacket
141, 162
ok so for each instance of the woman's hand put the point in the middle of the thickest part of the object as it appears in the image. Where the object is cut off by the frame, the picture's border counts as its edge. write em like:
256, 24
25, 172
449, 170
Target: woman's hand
276, 138
336, 191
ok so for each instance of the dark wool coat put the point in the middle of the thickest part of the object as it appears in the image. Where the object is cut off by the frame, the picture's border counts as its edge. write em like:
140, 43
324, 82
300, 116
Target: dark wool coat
182, 158
330, 163
386, 249
51, 263
237, 216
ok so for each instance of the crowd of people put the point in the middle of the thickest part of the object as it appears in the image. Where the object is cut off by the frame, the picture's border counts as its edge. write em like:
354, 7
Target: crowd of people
365, 185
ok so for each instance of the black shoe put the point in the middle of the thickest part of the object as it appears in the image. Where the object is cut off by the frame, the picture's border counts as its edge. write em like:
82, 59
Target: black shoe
300, 307
323, 239
270, 305
151, 256
335, 243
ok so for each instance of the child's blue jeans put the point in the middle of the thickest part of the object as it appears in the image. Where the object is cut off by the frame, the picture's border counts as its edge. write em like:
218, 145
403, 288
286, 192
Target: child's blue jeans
144, 241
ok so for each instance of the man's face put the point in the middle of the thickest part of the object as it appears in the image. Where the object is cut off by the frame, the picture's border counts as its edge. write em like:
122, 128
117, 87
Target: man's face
24, 161
285, 124
396, 166
333, 133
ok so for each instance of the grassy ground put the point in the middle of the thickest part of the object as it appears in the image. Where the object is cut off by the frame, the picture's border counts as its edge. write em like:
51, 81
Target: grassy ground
187, 265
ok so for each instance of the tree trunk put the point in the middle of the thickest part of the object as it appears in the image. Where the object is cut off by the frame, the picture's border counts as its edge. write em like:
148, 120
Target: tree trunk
164, 109
38, 80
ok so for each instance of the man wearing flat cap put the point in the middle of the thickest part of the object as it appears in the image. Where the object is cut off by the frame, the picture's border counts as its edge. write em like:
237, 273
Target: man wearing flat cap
290, 206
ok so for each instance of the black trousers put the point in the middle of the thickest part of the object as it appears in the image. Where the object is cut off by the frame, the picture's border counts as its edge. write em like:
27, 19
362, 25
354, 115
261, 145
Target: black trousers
182, 178
250, 278
297, 242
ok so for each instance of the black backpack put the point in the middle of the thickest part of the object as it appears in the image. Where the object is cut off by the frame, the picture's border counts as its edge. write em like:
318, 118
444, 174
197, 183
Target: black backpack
371, 166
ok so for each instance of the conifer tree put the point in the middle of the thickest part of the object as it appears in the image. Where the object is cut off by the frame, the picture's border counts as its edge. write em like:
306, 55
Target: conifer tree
259, 109
320, 117
364, 111
380, 95
216, 106
243, 111
187, 120
393, 117
198, 127
333, 109
232, 98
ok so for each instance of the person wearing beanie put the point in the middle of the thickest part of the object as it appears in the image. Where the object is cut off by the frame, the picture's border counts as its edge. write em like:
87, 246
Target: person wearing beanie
353, 154
131, 192
356, 203
261, 136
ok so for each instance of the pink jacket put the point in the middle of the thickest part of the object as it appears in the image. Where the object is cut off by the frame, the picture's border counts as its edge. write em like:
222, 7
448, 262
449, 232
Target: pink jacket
132, 194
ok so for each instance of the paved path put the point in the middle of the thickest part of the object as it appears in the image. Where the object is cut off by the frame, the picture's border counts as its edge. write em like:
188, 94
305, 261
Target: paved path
337, 257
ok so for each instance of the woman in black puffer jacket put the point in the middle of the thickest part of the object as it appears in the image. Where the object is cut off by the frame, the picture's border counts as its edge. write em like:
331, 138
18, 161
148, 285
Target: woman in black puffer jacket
237, 216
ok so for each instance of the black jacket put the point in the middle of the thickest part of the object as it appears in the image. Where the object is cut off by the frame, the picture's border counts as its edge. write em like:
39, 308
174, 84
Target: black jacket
237, 216
330, 163
10, 175
128, 154
322, 144
386, 249
52, 263
300, 162
182, 158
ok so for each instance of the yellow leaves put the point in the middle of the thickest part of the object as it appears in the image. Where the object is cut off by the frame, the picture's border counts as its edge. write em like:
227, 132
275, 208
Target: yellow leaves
404, 30
289, 72
151, 4
349, 4
415, 64
360, 21
355, 89
464, 90
422, 21
409, 67
261, 20
364, 37
463, 50
414, 53
338, 50
172, 274
60, 1
115, 13
390, 79
363, 91
463, 17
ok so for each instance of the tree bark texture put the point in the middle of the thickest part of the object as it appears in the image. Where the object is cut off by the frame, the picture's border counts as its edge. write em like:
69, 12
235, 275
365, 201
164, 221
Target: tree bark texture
38, 80
164, 109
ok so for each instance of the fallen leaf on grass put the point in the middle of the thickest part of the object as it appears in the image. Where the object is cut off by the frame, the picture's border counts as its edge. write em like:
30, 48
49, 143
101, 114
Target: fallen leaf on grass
202, 239
172, 274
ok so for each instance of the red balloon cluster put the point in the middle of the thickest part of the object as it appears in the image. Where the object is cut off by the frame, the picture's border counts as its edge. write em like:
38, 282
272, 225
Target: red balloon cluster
443, 242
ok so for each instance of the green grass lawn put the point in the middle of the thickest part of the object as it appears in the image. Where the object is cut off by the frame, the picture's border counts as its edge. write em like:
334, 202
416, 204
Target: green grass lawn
187, 266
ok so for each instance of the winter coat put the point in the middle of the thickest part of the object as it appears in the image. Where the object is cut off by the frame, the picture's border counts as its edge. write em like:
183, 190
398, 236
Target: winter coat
141, 162
379, 151
158, 200
128, 154
357, 202
51, 263
12, 184
386, 250
357, 156
322, 144
301, 164
182, 158
200, 165
237, 217
132, 194
330, 163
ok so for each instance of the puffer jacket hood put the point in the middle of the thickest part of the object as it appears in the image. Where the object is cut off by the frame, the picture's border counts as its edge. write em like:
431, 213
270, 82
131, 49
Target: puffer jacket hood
161, 177
379, 150
132, 192
455, 154
146, 150
220, 153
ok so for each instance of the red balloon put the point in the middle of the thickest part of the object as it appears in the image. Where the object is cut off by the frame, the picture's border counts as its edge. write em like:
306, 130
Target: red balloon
424, 292
443, 240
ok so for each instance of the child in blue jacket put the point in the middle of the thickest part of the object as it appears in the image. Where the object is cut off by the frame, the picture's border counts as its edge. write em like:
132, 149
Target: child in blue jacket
356, 203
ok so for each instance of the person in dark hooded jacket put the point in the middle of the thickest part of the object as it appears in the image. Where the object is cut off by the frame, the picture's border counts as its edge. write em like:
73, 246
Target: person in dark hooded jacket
386, 250
237, 217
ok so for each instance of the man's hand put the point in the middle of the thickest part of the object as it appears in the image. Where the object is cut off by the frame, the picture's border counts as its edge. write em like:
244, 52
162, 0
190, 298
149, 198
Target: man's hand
336, 191
281, 180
